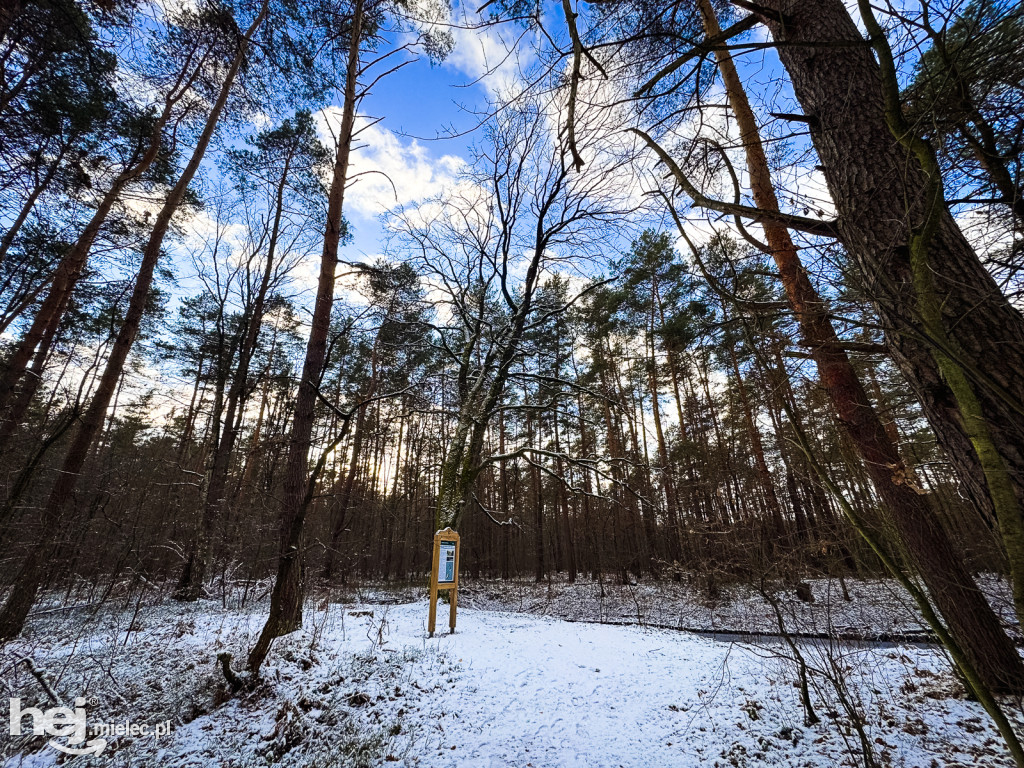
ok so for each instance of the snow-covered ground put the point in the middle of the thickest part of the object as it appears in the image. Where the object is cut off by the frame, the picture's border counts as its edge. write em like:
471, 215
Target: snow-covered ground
876, 607
362, 685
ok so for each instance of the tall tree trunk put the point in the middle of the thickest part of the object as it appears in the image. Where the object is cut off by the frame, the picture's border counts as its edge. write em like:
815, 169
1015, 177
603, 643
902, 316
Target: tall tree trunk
289, 586
665, 474
345, 497
503, 495
757, 448
38, 339
540, 563
562, 501
849, 157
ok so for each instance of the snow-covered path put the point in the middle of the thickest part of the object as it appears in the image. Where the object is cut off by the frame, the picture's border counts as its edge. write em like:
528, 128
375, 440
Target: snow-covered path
537, 692
542, 693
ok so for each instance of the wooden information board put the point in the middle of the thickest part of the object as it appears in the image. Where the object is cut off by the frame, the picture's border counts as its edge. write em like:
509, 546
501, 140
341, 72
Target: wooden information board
444, 574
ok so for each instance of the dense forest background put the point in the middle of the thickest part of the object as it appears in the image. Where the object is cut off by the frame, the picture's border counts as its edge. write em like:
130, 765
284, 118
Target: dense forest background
700, 304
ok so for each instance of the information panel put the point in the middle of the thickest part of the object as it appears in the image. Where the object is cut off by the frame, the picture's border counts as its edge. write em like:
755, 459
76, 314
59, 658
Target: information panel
446, 563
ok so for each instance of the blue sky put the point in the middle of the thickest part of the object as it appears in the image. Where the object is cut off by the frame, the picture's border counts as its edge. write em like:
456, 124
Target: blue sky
422, 105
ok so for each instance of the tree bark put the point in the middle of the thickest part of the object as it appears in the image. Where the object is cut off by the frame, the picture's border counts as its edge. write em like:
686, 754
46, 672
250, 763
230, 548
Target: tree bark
876, 187
853, 175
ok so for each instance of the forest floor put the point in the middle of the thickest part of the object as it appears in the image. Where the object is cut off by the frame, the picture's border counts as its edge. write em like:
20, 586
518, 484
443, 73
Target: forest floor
362, 685
876, 609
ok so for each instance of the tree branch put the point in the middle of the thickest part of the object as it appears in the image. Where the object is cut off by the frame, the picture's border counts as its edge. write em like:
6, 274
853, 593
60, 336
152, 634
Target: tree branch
701, 49
792, 221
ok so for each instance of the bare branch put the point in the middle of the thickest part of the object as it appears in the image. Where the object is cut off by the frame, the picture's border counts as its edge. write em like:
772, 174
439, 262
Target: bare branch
802, 223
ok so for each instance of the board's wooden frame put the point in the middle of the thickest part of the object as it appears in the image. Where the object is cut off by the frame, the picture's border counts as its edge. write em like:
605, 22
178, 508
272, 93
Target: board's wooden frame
453, 586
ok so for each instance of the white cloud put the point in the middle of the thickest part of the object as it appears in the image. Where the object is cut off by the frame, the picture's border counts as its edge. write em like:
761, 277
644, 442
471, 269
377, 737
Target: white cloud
387, 171
489, 55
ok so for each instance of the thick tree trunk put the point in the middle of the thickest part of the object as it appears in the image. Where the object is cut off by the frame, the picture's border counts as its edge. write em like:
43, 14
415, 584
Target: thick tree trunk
830, 102
873, 183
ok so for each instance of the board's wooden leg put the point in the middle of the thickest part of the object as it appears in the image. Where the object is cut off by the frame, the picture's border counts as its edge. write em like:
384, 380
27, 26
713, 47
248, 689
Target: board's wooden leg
453, 598
433, 612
